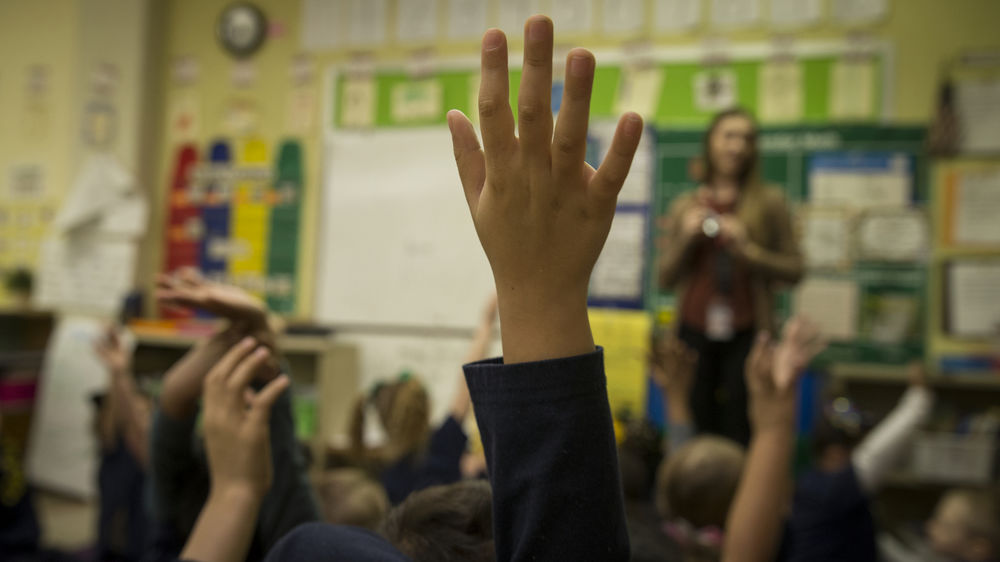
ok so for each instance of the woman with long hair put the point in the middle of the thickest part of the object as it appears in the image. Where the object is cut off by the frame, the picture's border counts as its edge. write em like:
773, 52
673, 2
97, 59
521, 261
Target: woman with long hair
727, 245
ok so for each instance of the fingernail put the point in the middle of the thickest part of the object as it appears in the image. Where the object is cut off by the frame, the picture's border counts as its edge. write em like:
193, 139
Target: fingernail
537, 29
261, 351
633, 125
247, 341
580, 66
493, 39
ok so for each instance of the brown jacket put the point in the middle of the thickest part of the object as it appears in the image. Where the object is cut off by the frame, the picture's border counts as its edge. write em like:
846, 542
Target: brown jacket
773, 253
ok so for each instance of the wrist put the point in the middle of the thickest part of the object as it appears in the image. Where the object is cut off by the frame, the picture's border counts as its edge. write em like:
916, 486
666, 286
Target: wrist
538, 325
237, 495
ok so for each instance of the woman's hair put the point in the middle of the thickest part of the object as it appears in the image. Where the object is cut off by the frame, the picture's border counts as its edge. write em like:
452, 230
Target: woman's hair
698, 482
404, 410
751, 174
348, 496
444, 523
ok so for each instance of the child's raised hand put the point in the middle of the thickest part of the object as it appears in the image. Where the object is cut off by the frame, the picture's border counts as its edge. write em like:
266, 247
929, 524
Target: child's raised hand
236, 421
541, 213
801, 340
188, 289
113, 352
673, 365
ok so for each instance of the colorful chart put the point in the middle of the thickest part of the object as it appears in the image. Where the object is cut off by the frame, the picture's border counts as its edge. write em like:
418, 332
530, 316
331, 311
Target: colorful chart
236, 217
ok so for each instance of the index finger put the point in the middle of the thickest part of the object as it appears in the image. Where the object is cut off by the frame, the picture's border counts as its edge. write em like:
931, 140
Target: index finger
225, 367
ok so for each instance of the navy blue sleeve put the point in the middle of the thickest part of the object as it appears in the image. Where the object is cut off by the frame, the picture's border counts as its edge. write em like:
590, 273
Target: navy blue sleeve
290, 501
550, 449
320, 541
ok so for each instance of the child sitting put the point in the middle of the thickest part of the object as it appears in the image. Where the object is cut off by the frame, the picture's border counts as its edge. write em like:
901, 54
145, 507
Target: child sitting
348, 496
413, 458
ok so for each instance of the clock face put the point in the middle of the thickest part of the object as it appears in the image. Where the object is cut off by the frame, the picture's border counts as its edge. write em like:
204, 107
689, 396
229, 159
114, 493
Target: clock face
241, 29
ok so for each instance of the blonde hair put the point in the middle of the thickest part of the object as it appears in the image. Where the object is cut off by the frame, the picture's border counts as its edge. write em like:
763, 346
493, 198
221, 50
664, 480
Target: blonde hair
983, 512
697, 483
348, 496
404, 411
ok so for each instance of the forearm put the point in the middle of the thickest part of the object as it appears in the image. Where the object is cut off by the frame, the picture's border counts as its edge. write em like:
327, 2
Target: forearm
782, 266
224, 528
753, 528
885, 445
182, 383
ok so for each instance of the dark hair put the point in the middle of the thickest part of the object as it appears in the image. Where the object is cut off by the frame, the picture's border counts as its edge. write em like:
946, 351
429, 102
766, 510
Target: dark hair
827, 434
444, 523
750, 174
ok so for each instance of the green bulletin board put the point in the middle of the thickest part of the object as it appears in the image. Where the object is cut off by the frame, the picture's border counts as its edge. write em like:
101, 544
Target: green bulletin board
785, 163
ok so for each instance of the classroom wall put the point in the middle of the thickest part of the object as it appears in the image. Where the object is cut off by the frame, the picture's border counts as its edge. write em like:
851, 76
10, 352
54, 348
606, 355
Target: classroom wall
924, 35
42, 124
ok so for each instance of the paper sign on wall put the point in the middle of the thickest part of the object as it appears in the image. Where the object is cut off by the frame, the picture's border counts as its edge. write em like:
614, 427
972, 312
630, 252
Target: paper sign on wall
417, 100
672, 16
714, 90
780, 95
852, 92
357, 109
639, 90
625, 337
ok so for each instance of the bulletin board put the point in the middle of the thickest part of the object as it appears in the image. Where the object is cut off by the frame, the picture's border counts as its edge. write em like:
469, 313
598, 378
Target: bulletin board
787, 155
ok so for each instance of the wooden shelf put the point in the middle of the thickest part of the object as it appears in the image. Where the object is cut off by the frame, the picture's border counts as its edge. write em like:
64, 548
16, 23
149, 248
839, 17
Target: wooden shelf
294, 344
882, 374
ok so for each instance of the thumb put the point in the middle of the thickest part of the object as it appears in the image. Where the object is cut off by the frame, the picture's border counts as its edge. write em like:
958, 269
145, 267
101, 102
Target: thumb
468, 156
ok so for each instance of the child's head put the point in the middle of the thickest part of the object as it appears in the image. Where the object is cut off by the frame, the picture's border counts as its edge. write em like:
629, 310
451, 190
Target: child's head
699, 480
444, 523
349, 497
403, 409
966, 525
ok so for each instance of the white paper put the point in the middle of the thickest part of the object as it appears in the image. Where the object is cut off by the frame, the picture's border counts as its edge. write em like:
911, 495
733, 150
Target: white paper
416, 21
623, 16
894, 319
780, 92
732, 14
826, 238
466, 19
126, 217
862, 188
185, 116
858, 11
673, 16
301, 111
243, 74
572, 16
832, 304
101, 181
893, 235
513, 14
974, 298
978, 109
62, 449
85, 273
321, 25
852, 90
366, 20
639, 90
714, 90
417, 100
618, 272
794, 13
357, 104
976, 217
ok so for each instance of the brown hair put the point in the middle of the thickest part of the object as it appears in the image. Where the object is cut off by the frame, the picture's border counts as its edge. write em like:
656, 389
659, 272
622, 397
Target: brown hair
698, 481
444, 523
751, 174
348, 496
983, 521
404, 410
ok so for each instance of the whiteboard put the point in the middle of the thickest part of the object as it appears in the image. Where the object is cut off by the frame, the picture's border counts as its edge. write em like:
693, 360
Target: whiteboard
398, 247
435, 360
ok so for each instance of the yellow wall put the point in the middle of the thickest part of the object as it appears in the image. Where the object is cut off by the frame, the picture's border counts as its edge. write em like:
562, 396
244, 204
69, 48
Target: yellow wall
924, 33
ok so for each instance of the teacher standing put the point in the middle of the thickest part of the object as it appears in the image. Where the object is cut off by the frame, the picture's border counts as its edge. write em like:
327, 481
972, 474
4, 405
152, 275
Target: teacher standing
727, 245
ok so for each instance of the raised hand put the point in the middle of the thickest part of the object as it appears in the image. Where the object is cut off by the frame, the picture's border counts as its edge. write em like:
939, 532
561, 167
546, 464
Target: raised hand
673, 365
772, 371
236, 420
541, 213
113, 352
801, 341
188, 289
